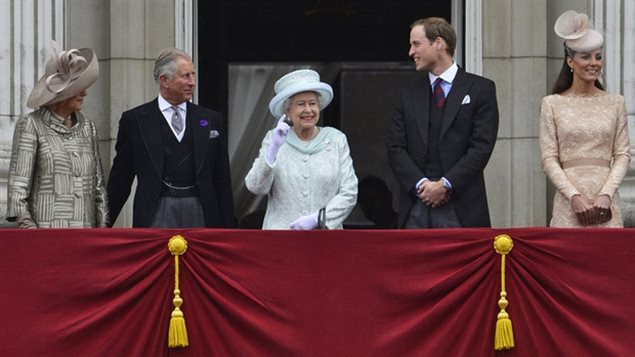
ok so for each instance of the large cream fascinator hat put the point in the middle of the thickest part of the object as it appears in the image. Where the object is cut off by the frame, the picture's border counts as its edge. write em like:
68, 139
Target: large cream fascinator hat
67, 73
302, 80
577, 31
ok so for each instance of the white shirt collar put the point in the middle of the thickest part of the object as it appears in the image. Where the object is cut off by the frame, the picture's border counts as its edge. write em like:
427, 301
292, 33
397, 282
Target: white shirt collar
166, 110
447, 76
164, 104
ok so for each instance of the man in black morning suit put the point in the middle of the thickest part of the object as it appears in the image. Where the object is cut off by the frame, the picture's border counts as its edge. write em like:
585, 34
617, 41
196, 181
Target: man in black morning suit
443, 132
178, 153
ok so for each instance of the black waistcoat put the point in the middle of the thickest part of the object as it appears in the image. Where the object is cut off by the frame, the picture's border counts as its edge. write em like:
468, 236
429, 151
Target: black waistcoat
178, 165
434, 169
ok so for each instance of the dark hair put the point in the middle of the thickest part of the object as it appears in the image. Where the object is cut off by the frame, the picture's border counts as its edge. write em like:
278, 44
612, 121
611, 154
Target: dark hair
565, 78
438, 27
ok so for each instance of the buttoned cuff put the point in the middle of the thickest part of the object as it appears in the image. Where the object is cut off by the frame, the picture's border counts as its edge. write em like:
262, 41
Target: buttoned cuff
446, 184
419, 183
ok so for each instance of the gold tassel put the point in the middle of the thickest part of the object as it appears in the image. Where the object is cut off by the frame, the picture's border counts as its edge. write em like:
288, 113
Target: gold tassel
504, 339
177, 335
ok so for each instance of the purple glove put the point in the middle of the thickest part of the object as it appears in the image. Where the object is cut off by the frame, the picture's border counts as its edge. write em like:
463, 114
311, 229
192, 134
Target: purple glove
305, 222
278, 138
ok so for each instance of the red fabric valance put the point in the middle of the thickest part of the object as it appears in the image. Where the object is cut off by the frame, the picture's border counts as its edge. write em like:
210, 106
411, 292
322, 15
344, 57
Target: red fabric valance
108, 292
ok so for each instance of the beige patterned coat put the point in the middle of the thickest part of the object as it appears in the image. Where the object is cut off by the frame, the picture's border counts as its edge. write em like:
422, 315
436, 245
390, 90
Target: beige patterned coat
55, 175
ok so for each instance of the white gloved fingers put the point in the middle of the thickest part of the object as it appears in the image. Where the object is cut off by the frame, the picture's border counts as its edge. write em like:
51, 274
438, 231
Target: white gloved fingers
282, 125
280, 133
304, 222
278, 137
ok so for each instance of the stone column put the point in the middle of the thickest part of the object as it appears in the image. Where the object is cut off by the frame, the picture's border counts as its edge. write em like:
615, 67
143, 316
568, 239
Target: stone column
138, 32
514, 56
126, 36
616, 19
26, 29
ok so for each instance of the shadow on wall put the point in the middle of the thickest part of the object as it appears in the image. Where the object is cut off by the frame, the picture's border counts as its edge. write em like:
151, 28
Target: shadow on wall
252, 220
375, 200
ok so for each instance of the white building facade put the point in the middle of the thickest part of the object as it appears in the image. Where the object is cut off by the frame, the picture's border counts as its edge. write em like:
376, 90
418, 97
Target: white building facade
509, 41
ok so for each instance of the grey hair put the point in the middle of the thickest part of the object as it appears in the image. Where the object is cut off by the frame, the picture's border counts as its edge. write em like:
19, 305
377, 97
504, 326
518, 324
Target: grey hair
165, 63
286, 105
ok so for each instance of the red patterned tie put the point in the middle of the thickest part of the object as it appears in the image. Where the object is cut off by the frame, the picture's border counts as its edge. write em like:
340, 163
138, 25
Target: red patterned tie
437, 94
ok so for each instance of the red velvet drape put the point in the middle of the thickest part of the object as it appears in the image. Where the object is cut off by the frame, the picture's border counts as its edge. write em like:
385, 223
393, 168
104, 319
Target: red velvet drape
109, 292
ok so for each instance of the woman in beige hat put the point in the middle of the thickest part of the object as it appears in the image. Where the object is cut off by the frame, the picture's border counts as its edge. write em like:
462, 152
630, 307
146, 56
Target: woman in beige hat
55, 175
307, 172
584, 141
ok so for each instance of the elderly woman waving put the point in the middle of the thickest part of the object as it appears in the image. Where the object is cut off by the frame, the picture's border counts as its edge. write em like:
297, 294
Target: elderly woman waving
305, 170
55, 174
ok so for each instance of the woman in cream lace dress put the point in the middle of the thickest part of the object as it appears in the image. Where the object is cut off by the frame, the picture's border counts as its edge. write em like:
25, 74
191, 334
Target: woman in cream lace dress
583, 135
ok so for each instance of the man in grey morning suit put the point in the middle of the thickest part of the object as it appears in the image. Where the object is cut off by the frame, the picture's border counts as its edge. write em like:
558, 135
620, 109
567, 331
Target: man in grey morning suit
177, 151
443, 132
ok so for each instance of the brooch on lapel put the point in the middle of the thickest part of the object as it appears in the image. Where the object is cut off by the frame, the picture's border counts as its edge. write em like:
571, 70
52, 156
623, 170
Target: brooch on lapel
213, 134
327, 144
203, 122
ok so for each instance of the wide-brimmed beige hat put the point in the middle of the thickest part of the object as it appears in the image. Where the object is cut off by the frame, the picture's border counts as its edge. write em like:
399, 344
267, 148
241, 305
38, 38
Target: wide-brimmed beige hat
67, 73
577, 31
302, 80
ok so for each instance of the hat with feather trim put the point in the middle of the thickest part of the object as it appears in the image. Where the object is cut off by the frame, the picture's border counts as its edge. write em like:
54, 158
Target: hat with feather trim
67, 73
577, 31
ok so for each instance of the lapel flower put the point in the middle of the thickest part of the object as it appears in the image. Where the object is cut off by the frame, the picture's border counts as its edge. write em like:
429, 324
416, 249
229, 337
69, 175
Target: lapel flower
203, 122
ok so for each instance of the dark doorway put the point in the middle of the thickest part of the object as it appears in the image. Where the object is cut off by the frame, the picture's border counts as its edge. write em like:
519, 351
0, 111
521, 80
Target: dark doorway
296, 31
365, 40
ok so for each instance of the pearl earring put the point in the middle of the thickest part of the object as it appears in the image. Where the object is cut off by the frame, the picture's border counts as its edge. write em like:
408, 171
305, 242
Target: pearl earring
571, 68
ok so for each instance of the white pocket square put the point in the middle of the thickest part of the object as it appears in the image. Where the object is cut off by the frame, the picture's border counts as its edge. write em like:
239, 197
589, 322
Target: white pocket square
466, 100
213, 134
